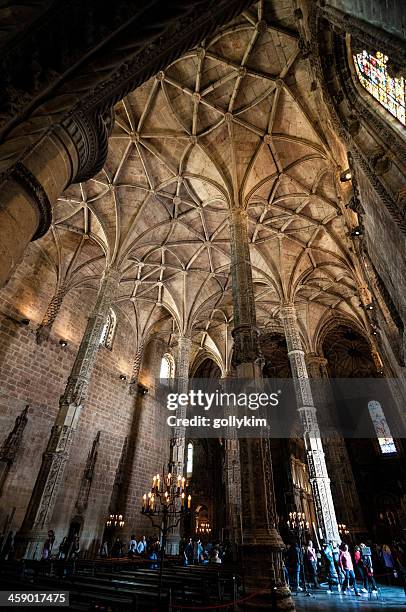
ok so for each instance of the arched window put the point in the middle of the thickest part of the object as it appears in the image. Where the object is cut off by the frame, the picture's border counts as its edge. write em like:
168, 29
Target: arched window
108, 331
189, 460
373, 76
167, 370
381, 427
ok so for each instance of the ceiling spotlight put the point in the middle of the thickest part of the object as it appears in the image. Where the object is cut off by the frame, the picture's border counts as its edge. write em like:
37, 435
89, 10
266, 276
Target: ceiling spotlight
24, 321
123, 377
345, 176
374, 332
357, 231
63, 342
369, 306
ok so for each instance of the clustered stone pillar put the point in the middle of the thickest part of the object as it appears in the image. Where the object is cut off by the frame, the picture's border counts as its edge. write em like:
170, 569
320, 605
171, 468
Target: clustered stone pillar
38, 517
71, 152
28, 193
232, 479
319, 478
178, 442
11, 445
261, 546
344, 488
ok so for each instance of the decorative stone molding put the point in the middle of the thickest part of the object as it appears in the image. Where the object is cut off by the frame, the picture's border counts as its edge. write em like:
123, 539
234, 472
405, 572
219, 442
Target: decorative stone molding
90, 134
11, 446
133, 386
51, 313
36, 193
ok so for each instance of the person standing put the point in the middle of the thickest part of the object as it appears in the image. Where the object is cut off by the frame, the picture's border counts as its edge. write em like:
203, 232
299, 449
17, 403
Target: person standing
388, 563
132, 546
63, 549
188, 552
336, 556
332, 578
142, 546
366, 560
48, 544
348, 568
197, 552
295, 565
360, 568
311, 557
75, 548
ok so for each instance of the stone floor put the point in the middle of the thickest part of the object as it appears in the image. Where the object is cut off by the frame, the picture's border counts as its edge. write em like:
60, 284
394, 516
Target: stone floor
390, 598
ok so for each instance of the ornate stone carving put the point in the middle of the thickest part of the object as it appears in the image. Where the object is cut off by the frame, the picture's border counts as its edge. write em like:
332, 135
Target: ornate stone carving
37, 194
90, 133
319, 478
51, 313
11, 445
133, 386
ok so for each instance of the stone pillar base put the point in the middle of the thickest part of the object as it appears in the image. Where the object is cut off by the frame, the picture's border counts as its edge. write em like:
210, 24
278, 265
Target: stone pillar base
263, 576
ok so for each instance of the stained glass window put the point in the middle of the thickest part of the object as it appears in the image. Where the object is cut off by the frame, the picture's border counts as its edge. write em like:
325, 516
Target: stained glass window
381, 427
373, 75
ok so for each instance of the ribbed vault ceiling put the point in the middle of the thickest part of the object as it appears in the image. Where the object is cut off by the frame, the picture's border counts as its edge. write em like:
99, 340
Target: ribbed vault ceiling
235, 122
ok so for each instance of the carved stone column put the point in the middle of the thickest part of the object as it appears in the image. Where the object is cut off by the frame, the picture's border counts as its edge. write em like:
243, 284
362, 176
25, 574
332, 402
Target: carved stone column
344, 489
261, 546
232, 481
246, 353
70, 152
38, 517
133, 386
11, 445
319, 478
177, 457
51, 313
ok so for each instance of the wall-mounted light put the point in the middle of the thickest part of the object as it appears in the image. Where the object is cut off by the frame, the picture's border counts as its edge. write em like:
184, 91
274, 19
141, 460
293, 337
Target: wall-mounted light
123, 377
357, 231
345, 176
63, 342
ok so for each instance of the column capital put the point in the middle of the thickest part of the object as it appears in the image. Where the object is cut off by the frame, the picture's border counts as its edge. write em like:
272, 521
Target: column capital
287, 309
314, 359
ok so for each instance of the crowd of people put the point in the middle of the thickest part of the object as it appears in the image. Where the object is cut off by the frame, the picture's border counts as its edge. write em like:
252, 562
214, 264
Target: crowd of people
344, 568
195, 552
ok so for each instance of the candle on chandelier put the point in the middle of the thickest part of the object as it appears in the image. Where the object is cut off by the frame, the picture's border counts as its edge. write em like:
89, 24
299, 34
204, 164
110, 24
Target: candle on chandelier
189, 499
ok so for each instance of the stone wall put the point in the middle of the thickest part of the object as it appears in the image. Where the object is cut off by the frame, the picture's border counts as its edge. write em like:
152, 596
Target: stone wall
386, 14
36, 375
